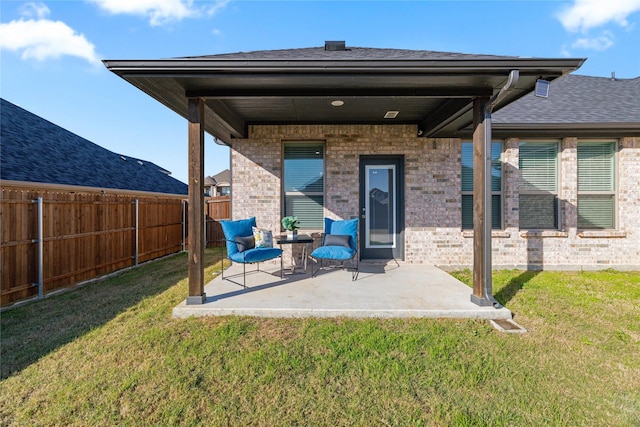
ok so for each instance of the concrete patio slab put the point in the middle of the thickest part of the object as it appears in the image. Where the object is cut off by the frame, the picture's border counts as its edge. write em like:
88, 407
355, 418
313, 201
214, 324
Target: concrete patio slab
381, 290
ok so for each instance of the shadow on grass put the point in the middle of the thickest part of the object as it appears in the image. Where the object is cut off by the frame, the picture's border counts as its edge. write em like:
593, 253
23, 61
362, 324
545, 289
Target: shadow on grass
510, 290
33, 330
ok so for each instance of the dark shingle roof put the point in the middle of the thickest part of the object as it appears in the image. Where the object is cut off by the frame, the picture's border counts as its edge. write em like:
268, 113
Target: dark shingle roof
351, 53
578, 100
36, 150
223, 176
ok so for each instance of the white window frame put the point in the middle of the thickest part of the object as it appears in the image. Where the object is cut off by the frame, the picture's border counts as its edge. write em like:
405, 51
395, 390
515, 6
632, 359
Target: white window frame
613, 193
300, 193
499, 193
555, 193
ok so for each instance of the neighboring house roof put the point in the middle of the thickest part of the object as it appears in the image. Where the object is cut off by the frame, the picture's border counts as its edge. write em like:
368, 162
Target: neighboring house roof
223, 177
583, 103
218, 179
434, 90
36, 150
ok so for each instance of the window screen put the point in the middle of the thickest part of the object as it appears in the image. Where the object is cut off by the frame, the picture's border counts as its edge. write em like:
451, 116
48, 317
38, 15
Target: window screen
304, 183
538, 165
467, 185
596, 185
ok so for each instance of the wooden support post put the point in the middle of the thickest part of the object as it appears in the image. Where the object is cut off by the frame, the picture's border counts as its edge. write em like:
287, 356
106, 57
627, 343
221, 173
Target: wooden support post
196, 202
481, 204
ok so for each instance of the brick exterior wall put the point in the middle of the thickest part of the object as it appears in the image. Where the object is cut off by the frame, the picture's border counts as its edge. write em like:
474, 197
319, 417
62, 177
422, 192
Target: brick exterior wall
433, 232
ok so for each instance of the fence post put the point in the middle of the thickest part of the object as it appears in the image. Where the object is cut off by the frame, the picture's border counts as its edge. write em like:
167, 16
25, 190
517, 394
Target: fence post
137, 231
184, 225
206, 225
40, 241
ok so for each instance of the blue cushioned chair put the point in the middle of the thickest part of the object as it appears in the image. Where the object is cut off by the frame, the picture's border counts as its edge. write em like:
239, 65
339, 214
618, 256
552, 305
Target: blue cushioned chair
240, 247
339, 243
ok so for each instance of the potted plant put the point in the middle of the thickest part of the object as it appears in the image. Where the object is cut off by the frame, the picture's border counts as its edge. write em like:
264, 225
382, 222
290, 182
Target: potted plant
291, 224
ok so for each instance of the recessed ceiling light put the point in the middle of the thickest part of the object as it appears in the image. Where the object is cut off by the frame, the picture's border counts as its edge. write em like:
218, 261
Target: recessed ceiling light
337, 103
391, 114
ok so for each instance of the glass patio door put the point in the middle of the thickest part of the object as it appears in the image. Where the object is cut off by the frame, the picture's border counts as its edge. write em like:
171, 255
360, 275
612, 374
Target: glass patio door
380, 208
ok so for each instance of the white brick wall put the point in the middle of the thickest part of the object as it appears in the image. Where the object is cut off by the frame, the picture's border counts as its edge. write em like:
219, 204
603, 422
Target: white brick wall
432, 196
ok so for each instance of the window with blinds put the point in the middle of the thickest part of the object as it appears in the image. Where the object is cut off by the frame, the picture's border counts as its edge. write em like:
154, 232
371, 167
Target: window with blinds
467, 185
538, 164
596, 185
303, 183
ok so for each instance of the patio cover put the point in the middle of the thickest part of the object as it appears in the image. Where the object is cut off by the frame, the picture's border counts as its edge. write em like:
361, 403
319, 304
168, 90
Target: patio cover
442, 93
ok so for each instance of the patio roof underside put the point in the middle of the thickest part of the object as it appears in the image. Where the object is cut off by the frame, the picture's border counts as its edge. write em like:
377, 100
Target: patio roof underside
435, 95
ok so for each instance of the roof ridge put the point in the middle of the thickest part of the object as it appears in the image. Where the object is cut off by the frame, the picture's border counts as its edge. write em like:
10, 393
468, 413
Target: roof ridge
350, 51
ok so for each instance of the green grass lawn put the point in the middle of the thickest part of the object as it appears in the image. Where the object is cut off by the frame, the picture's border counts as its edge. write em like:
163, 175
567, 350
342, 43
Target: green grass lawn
110, 353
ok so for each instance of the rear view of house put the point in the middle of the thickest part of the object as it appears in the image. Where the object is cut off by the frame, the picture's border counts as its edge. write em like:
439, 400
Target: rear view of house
447, 159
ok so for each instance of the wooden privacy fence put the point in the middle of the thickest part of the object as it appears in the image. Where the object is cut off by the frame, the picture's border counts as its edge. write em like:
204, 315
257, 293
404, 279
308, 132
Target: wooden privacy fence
52, 239
216, 208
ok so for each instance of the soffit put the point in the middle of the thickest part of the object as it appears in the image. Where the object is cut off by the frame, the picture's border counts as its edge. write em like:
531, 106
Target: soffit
435, 94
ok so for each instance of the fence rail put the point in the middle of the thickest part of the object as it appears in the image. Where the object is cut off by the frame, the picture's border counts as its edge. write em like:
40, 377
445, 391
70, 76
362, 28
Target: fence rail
52, 239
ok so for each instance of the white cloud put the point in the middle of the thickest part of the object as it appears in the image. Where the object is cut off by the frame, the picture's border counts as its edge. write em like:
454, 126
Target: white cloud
218, 5
34, 10
565, 52
42, 39
600, 43
159, 12
586, 14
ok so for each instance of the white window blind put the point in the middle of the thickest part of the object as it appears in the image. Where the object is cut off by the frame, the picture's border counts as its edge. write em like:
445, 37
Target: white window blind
467, 185
538, 164
304, 183
596, 185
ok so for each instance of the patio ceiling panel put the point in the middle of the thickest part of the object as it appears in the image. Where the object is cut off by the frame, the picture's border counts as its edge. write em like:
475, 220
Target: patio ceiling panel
363, 109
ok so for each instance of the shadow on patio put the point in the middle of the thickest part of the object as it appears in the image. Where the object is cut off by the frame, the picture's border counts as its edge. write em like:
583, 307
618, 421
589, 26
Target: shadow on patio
382, 290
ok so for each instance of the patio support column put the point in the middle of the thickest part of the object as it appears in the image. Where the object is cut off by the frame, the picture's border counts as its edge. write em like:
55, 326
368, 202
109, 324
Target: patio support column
196, 201
481, 203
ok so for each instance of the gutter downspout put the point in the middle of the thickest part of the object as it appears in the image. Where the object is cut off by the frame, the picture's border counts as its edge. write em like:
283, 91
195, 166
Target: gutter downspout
487, 292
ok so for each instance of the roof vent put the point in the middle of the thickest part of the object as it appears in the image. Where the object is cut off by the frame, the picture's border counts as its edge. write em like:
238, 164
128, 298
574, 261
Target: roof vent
334, 45
541, 89
123, 158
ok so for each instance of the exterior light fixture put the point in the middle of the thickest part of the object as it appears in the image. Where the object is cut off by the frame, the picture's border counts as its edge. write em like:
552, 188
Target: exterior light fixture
542, 88
391, 114
337, 103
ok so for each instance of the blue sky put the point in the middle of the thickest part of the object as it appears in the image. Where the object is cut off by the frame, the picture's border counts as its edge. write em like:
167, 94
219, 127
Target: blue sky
51, 51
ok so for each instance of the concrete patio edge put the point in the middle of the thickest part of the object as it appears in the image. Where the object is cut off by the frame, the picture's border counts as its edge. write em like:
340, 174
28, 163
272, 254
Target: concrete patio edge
184, 311
381, 291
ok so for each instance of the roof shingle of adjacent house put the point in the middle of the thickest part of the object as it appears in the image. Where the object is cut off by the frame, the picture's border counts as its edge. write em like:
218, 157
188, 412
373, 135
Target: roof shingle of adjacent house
578, 100
36, 150
223, 176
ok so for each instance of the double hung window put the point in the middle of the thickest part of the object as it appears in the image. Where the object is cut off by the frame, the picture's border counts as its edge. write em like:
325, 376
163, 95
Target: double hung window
538, 165
304, 183
596, 185
467, 185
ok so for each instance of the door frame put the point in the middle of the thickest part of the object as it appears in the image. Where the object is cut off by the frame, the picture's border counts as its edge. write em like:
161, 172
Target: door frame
385, 253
